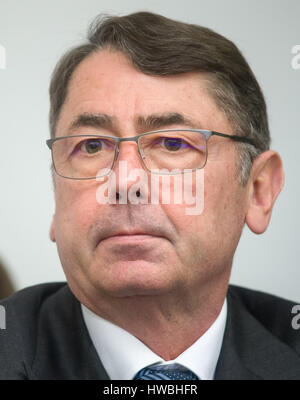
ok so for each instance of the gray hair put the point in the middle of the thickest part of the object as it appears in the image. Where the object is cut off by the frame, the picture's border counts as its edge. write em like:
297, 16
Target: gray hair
157, 45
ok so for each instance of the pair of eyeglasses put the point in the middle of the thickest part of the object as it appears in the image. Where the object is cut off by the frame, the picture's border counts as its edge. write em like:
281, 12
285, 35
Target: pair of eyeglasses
164, 152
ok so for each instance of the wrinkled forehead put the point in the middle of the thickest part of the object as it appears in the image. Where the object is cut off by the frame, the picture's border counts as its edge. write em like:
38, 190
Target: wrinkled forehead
107, 90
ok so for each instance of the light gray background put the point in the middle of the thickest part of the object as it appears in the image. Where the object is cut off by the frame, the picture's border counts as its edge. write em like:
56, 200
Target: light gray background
35, 33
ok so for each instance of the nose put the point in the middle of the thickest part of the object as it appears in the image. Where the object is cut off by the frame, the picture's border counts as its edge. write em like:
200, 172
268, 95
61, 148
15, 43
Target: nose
128, 154
131, 175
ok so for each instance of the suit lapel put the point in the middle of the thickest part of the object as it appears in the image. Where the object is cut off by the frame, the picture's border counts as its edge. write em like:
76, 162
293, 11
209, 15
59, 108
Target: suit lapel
250, 351
64, 349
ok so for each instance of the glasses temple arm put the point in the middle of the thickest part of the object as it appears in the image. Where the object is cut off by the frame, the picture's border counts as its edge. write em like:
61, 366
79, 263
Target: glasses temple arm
235, 138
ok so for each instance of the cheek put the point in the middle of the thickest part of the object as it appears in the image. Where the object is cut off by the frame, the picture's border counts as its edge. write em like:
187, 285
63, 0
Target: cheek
224, 207
221, 221
75, 208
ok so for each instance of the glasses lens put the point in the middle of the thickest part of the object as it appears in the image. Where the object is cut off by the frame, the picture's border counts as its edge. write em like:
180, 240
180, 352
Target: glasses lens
83, 156
172, 150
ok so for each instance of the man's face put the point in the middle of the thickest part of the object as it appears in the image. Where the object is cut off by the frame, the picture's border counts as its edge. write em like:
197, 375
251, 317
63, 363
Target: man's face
124, 249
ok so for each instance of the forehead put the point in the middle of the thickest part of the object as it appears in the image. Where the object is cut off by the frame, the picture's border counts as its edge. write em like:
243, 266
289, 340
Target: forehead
107, 82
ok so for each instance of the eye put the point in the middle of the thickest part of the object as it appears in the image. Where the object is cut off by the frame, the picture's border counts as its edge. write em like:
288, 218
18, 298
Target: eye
173, 144
91, 146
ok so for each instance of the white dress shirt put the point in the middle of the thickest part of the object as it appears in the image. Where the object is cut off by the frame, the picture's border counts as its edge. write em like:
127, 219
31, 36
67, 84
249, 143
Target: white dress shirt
123, 355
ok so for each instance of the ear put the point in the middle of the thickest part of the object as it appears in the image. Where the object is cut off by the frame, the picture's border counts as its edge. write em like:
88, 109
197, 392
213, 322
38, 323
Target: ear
52, 230
265, 184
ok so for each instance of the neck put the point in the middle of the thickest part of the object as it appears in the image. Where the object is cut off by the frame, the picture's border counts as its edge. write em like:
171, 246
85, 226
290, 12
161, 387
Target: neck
164, 324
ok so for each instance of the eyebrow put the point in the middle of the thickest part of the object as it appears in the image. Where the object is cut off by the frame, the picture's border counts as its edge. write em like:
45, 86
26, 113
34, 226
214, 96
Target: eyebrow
91, 120
148, 123
158, 121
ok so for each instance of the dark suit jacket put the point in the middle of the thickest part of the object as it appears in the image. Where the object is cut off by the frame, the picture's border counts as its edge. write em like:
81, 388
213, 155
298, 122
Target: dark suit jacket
46, 338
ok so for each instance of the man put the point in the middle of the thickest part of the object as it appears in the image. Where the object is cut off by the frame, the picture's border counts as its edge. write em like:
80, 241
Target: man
147, 292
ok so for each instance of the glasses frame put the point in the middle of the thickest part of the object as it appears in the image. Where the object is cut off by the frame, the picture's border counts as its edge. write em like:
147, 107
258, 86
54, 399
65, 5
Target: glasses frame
207, 133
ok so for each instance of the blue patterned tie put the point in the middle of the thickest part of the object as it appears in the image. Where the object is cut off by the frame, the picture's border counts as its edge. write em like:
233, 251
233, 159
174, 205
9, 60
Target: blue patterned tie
165, 372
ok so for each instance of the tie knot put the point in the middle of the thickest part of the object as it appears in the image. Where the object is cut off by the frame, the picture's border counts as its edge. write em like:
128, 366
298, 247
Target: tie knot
165, 372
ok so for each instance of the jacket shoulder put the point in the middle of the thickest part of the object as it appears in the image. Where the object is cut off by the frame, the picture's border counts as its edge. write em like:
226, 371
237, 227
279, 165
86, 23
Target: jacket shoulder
273, 312
18, 333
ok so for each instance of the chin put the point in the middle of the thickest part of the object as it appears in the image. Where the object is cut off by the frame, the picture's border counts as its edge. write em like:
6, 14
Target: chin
135, 278
127, 291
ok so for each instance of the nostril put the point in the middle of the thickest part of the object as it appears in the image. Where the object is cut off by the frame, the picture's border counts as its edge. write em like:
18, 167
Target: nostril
138, 193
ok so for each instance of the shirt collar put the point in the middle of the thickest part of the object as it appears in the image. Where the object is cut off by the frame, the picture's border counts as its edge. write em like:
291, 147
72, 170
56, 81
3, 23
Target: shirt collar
123, 355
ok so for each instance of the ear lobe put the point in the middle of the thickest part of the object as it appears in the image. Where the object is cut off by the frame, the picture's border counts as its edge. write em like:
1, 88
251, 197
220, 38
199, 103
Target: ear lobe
52, 230
266, 182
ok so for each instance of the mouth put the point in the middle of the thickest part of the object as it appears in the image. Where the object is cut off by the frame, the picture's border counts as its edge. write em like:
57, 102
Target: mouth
113, 232
134, 237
